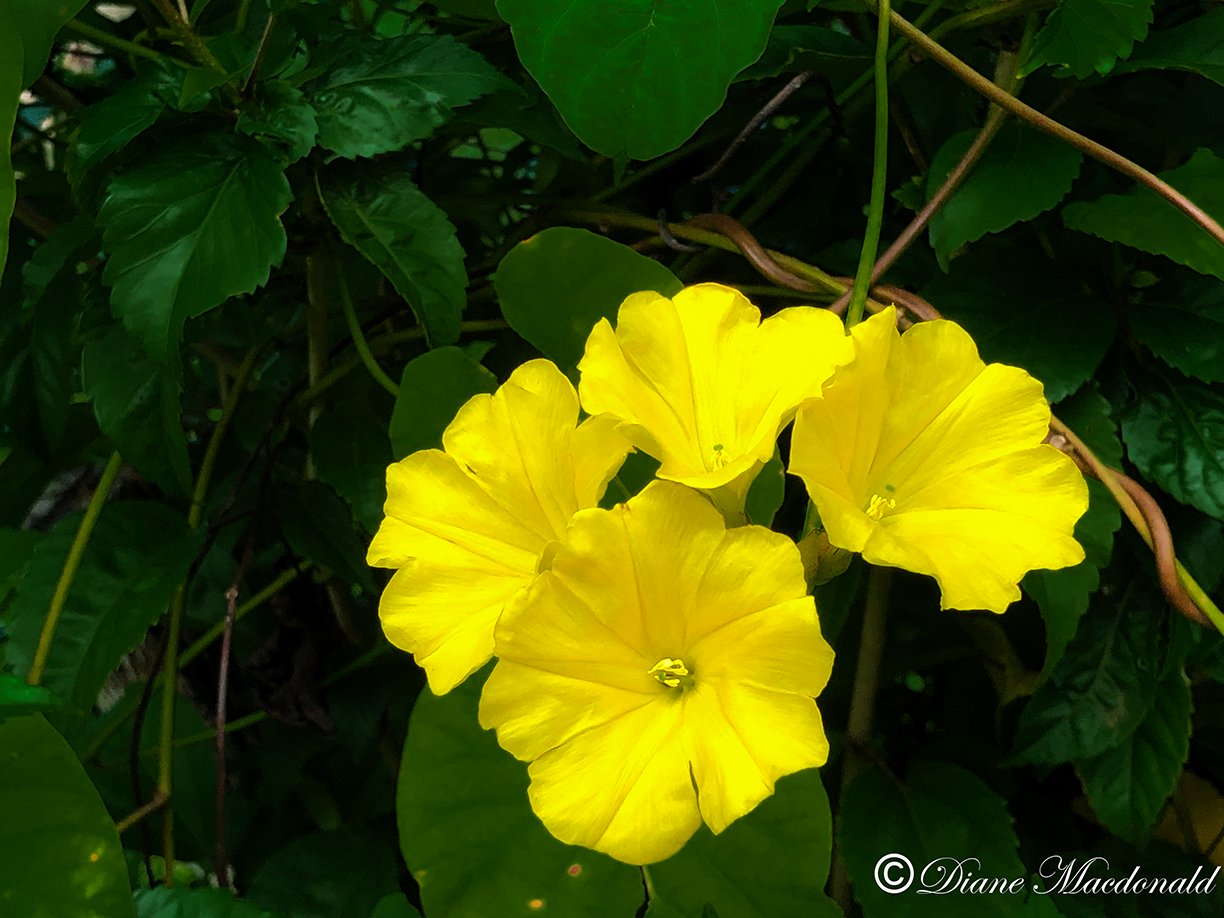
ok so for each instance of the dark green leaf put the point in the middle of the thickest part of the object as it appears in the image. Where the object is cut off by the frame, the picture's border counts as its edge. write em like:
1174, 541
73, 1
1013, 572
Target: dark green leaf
406, 236
281, 112
395, 905
637, 81
18, 699
434, 386
108, 126
375, 97
58, 846
1025, 311
350, 451
138, 555
1182, 321
469, 836
1141, 219
1063, 595
766, 492
136, 402
1129, 783
318, 526
557, 285
810, 47
1175, 435
16, 548
1086, 36
770, 863
1194, 46
340, 874
193, 902
1099, 691
940, 811
187, 228
10, 101
1023, 173
36, 23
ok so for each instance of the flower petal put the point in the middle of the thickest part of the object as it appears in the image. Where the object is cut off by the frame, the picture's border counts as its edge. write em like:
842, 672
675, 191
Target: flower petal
701, 383
517, 442
979, 533
645, 808
467, 527
779, 648
744, 738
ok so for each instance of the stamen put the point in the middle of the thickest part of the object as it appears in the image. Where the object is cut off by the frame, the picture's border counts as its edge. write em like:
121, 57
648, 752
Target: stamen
671, 672
880, 505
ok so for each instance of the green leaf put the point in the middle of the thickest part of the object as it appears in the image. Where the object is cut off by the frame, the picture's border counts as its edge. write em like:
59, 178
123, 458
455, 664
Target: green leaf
770, 863
351, 453
406, 236
58, 845
108, 126
186, 229
280, 112
1023, 310
1087, 36
469, 836
395, 905
1142, 219
433, 388
137, 404
1063, 595
818, 48
1182, 321
1175, 436
16, 548
379, 96
318, 525
10, 101
637, 80
766, 492
136, 558
555, 287
940, 811
193, 902
1194, 46
337, 874
1129, 783
1099, 691
18, 699
36, 23
1023, 173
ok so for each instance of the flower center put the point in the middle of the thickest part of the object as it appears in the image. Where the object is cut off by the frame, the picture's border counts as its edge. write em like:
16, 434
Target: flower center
672, 673
720, 457
880, 505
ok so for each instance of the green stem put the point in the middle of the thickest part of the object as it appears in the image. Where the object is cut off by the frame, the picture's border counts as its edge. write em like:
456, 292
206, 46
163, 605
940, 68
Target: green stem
107, 40
340, 370
862, 700
75, 553
200, 644
1010, 103
119, 717
165, 761
879, 174
359, 339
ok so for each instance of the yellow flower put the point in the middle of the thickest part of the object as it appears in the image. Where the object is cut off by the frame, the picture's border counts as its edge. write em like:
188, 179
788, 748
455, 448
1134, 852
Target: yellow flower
921, 456
466, 527
661, 672
702, 384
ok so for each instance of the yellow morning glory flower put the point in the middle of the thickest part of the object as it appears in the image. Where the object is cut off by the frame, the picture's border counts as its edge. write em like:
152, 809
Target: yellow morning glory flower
921, 456
660, 673
703, 385
466, 526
